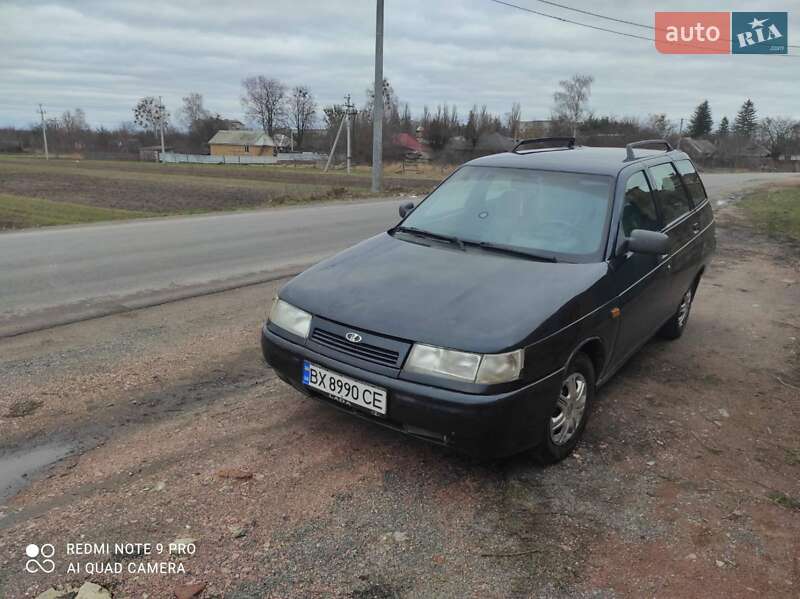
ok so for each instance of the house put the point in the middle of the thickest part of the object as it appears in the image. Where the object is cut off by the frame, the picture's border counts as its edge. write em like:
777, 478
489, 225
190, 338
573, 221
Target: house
242, 143
697, 149
233, 124
414, 147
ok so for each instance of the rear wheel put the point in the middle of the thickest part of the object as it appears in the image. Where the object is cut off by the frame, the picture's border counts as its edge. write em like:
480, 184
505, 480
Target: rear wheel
675, 326
567, 422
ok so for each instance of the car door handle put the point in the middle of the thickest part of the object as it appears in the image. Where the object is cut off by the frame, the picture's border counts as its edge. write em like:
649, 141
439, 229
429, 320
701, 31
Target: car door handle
695, 228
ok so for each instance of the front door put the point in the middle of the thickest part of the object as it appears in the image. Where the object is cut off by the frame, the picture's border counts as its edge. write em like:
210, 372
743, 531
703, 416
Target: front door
640, 279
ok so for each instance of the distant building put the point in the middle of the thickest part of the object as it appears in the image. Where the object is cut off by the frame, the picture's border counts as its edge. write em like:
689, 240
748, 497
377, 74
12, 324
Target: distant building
242, 143
150, 153
413, 147
697, 149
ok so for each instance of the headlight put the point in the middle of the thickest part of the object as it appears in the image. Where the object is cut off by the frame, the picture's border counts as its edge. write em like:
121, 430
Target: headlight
427, 359
501, 368
474, 368
289, 318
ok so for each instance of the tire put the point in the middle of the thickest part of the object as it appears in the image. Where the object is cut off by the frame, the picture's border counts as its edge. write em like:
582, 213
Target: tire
559, 441
675, 326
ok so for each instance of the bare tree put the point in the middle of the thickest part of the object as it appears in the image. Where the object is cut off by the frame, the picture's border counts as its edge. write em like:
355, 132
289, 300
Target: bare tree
302, 110
571, 99
513, 119
440, 127
660, 124
778, 134
192, 110
264, 101
149, 113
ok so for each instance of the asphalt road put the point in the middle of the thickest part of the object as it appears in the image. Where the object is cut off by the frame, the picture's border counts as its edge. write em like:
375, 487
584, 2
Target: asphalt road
65, 274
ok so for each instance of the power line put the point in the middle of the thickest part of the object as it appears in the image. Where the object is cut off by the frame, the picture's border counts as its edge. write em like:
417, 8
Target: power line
598, 28
616, 20
565, 20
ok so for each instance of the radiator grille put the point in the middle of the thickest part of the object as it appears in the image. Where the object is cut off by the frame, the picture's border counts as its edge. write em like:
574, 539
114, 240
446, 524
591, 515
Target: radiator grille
363, 351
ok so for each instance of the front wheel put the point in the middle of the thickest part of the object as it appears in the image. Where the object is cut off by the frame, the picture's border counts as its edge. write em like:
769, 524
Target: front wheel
675, 326
567, 422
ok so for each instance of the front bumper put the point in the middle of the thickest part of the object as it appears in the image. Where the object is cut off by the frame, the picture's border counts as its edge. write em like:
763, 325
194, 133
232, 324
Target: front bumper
482, 425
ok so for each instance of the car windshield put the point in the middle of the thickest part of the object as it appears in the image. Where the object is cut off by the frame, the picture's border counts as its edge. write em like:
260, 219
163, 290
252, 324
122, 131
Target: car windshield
549, 213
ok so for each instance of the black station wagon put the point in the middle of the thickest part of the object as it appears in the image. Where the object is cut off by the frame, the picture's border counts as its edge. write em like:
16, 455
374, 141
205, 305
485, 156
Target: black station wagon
488, 316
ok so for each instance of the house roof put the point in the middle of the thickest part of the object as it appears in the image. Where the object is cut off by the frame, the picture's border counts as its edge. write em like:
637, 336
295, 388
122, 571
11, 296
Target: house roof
697, 147
241, 138
408, 142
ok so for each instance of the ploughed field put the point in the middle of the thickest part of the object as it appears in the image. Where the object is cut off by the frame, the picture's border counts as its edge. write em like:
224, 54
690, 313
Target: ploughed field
35, 192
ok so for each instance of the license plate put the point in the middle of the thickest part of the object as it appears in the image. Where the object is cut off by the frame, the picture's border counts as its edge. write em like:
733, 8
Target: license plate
344, 389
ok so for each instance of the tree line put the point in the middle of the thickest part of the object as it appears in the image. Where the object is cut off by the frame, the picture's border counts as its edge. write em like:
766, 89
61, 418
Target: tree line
292, 110
780, 136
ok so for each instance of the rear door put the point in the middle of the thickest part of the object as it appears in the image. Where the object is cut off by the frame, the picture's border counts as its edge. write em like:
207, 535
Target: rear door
703, 215
675, 207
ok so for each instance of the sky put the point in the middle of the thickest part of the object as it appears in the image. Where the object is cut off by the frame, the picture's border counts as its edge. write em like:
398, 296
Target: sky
102, 55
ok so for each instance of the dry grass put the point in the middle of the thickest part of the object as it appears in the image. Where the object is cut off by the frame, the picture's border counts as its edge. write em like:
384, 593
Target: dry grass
22, 212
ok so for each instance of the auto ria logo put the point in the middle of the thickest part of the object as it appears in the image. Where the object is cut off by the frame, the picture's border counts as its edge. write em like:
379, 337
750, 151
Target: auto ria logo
722, 32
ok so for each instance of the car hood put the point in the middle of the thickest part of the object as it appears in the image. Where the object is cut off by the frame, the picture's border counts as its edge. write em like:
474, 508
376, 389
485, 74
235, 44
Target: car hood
473, 300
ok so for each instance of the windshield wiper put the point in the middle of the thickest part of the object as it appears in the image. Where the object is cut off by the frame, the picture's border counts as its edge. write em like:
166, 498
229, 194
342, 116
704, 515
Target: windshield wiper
512, 250
431, 235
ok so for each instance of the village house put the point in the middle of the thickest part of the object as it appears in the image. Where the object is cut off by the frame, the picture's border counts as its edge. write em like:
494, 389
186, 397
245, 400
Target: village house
242, 143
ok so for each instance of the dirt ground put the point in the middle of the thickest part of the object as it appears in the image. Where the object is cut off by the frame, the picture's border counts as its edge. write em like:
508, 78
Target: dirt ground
687, 483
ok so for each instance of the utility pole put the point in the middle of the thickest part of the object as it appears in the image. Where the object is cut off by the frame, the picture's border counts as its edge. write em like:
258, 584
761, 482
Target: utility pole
161, 122
377, 104
44, 133
348, 108
333, 149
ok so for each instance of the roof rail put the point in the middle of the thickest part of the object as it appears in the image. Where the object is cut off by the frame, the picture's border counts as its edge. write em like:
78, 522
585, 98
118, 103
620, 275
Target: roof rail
645, 142
568, 142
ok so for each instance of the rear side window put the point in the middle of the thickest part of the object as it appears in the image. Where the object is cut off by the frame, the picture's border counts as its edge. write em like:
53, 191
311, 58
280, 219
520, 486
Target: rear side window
692, 180
639, 211
670, 194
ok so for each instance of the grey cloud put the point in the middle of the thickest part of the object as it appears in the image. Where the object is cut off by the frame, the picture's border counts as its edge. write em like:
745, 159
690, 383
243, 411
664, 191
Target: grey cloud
102, 56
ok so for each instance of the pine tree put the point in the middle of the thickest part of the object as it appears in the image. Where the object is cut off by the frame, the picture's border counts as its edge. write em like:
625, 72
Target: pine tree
746, 120
701, 122
724, 127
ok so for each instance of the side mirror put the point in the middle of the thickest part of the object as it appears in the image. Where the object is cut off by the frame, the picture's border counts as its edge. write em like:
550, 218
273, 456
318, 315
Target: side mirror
642, 241
405, 209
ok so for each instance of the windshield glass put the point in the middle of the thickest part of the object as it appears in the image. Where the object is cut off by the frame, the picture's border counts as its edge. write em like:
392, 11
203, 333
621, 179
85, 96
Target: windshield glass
540, 211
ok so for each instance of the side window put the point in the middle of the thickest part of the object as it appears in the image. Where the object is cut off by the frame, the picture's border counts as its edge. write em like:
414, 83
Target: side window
670, 195
692, 180
639, 211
